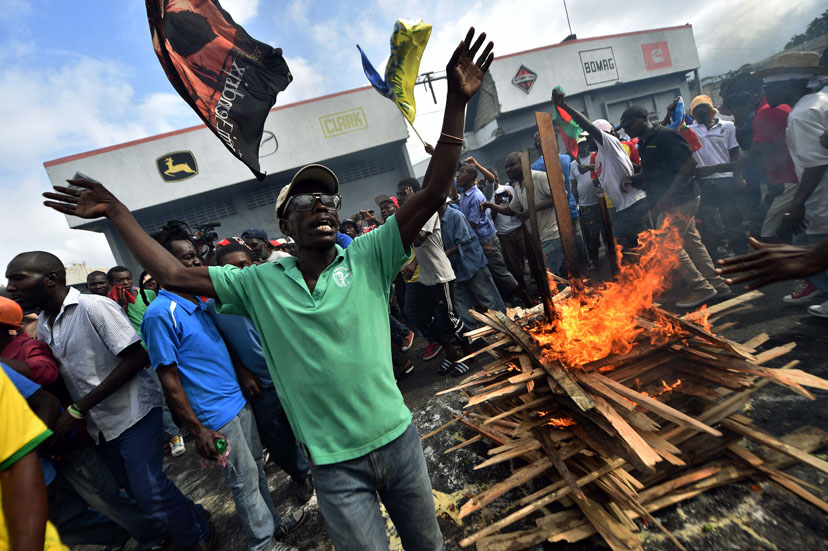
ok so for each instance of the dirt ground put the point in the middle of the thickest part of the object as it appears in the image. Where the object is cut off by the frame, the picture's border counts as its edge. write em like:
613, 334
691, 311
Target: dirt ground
741, 516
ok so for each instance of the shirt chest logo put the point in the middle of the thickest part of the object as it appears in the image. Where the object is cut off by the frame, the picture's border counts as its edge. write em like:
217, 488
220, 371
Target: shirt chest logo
342, 276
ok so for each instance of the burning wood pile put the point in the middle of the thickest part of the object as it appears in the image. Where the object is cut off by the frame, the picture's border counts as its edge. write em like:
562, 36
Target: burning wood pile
619, 409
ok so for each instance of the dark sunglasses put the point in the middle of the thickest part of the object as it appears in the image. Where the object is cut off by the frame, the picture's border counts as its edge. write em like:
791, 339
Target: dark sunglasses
304, 202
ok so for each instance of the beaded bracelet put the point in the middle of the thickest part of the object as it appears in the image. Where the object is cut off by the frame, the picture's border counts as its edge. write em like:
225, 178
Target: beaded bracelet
75, 412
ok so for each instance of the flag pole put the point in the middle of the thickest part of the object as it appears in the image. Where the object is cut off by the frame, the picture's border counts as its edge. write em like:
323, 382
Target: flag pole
411, 125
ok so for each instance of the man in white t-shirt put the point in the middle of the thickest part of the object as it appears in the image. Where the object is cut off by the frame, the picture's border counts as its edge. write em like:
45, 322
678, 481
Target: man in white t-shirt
434, 306
721, 198
586, 193
551, 247
808, 120
510, 234
612, 164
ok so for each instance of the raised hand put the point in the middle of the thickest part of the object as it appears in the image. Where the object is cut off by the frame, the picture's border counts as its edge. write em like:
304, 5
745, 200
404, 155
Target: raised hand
464, 75
91, 201
558, 96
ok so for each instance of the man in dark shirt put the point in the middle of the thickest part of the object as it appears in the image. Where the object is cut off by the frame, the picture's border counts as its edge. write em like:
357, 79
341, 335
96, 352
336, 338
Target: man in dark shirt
666, 165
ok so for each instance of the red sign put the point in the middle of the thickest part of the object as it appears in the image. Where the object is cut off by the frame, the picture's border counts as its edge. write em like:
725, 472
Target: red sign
656, 55
525, 78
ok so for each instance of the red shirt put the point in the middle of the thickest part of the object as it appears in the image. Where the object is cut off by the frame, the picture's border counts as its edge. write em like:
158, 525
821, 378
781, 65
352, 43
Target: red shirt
769, 125
37, 355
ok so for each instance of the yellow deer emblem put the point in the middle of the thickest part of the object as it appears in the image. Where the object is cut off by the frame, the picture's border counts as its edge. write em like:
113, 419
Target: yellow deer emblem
173, 169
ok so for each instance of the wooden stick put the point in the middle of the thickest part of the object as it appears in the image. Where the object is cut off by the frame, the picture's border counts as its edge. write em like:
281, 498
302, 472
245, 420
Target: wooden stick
566, 228
464, 443
438, 429
529, 509
657, 407
533, 246
776, 444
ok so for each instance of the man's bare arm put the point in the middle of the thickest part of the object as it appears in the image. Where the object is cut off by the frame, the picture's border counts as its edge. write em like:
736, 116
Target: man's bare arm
24, 503
180, 404
464, 77
91, 200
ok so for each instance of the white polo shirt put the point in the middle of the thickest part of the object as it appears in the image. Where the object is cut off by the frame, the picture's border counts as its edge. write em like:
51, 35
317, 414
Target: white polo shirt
716, 145
806, 123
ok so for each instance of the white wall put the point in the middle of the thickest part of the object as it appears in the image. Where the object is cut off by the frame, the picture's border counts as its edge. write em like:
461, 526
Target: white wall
323, 128
563, 64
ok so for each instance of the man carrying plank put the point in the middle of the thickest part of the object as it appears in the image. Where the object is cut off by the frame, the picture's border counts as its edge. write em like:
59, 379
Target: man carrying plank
338, 391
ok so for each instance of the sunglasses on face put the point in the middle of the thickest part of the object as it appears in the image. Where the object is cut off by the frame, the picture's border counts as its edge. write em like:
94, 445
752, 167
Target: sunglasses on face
304, 202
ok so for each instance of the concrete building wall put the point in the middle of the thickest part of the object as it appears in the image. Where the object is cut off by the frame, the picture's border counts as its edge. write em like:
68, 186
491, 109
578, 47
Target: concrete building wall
516, 129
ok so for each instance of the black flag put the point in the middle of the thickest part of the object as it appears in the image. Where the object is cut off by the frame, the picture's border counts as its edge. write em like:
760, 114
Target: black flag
227, 77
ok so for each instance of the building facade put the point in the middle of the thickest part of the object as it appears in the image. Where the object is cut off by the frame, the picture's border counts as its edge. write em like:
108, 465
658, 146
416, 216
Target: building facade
188, 175
601, 76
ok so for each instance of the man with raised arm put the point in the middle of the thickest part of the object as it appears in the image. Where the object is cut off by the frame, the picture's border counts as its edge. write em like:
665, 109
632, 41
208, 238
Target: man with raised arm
337, 386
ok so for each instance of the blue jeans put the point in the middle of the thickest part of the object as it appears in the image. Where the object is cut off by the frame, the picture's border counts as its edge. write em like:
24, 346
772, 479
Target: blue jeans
349, 494
277, 435
399, 331
480, 289
630, 222
82, 474
168, 425
553, 256
136, 459
77, 523
245, 476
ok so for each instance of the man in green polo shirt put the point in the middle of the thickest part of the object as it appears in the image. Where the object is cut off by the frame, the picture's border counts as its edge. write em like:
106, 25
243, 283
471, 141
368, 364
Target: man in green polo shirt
337, 386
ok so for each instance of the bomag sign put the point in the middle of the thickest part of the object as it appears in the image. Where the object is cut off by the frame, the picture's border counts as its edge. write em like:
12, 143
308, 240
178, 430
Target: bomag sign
344, 122
176, 166
599, 66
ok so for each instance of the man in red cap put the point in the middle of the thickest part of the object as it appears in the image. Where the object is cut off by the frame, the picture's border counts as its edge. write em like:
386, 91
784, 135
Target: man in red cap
29, 357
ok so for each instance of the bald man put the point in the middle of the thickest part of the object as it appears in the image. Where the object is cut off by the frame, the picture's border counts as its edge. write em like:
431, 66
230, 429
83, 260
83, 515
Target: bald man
102, 363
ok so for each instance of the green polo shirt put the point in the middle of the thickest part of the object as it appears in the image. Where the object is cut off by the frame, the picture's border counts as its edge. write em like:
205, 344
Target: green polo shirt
334, 376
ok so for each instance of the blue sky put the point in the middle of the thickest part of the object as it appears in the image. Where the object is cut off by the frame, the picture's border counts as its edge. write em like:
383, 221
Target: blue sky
81, 74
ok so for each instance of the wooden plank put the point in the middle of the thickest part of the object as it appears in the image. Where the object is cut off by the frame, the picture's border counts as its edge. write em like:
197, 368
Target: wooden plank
542, 502
568, 384
464, 443
628, 434
455, 418
533, 245
548, 445
657, 407
726, 305
776, 444
518, 478
528, 405
566, 228
757, 341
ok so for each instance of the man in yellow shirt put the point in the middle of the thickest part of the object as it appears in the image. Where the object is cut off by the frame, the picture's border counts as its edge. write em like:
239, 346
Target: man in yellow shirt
23, 525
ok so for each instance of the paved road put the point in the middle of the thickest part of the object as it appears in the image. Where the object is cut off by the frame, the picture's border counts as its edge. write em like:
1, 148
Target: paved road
737, 517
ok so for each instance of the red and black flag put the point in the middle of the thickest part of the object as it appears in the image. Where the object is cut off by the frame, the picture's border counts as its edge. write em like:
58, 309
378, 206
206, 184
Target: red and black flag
227, 77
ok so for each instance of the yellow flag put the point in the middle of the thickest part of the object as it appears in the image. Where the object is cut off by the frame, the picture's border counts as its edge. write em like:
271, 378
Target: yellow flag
408, 42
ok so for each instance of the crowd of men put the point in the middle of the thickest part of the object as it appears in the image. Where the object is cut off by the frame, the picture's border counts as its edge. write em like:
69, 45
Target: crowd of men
249, 346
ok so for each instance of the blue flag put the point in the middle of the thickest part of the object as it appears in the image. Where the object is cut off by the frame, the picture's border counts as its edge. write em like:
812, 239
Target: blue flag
374, 77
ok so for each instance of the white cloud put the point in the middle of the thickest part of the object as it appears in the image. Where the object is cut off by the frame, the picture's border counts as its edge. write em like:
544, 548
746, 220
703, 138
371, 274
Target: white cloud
241, 10
81, 105
307, 82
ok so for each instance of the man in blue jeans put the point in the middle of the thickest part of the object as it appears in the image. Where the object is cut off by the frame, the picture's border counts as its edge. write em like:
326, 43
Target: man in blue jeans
200, 384
473, 282
102, 363
242, 339
336, 384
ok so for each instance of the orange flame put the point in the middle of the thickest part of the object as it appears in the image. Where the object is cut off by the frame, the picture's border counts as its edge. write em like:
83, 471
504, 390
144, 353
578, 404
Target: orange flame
597, 322
561, 422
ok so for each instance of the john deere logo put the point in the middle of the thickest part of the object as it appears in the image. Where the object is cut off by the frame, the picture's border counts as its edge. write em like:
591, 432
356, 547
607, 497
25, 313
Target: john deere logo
524, 79
177, 166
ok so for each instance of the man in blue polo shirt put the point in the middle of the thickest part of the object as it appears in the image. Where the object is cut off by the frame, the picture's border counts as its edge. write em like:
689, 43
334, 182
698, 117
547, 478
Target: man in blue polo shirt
336, 384
242, 339
473, 281
470, 200
200, 384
